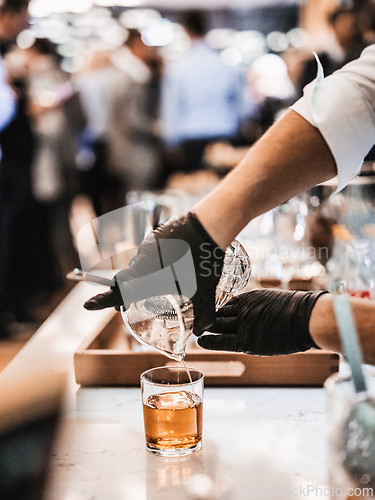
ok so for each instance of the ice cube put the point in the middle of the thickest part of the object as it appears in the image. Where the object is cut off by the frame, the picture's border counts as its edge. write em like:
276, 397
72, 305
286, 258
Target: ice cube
180, 400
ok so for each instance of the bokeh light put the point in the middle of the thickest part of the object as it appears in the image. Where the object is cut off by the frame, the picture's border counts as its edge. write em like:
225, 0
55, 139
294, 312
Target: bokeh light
298, 38
139, 18
92, 25
231, 56
251, 43
277, 41
158, 34
220, 38
120, 3
43, 8
269, 76
25, 39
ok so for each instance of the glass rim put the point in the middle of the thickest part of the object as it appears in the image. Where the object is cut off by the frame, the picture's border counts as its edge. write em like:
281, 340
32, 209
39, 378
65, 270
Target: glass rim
200, 379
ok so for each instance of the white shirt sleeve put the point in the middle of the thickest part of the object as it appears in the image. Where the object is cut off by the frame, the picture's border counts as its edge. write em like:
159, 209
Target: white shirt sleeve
7, 99
342, 108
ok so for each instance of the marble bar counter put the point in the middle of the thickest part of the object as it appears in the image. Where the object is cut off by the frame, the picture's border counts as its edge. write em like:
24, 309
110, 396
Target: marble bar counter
257, 442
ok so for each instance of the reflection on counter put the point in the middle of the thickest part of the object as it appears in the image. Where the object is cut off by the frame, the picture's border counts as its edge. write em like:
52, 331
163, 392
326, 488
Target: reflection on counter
198, 476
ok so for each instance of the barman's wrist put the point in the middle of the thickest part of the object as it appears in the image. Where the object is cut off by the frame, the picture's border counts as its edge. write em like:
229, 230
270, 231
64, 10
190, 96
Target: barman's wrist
322, 325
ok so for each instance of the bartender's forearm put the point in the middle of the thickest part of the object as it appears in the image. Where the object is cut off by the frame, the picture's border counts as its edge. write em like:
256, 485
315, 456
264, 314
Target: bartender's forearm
324, 331
290, 158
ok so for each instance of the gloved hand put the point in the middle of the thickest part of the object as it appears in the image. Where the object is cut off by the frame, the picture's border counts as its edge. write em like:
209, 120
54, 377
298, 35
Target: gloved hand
264, 322
163, 249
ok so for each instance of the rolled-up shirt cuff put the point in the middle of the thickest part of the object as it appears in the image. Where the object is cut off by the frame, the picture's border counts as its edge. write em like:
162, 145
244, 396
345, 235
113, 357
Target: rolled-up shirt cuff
338, 108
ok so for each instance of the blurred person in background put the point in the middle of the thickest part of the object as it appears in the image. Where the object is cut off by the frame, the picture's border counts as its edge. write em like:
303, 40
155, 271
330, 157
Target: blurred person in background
94, 82
349, 35
14, 18
50, 90
350, 30
269, 86
202, 98
134, 150
57, 119
31, 251
29, 258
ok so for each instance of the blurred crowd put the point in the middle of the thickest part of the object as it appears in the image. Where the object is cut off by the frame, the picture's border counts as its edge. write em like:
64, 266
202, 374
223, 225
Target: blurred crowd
127, 121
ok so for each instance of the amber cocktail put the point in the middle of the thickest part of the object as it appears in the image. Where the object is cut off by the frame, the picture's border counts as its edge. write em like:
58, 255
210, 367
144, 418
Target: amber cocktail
172, 410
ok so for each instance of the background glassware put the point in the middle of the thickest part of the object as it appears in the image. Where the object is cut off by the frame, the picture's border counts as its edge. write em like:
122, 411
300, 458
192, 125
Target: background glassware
166, 322
359, 271
172, 410
351, 270
344, 464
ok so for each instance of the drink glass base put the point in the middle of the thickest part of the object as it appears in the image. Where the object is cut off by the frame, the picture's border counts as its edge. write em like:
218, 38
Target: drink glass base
179, 452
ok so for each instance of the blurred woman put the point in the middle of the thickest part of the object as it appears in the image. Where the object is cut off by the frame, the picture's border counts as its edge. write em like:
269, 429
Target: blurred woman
57, 120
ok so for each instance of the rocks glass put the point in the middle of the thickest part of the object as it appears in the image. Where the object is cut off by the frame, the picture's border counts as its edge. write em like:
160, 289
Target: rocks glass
172, 410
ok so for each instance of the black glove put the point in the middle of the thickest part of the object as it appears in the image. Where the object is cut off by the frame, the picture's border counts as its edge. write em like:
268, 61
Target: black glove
164, 248
264, 322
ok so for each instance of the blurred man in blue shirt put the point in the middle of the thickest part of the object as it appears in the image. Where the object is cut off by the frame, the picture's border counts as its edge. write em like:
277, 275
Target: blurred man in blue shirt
202, 98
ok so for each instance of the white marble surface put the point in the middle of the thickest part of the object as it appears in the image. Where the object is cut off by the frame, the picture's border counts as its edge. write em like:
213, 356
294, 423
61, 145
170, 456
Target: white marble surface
253, 438
264, 438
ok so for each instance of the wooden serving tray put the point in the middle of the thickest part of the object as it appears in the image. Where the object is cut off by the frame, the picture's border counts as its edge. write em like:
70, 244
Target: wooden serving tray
112, 358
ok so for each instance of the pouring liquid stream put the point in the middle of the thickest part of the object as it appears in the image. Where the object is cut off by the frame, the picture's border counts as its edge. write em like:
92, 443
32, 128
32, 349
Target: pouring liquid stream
188, 374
